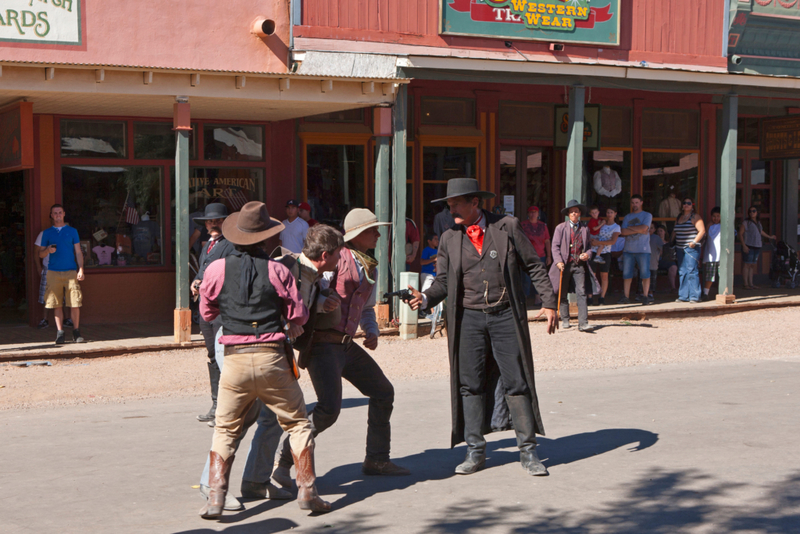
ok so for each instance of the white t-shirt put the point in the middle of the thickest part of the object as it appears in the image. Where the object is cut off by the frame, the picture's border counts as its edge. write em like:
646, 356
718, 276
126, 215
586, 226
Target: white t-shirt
293, 235
605, 235
712, 244
38, 243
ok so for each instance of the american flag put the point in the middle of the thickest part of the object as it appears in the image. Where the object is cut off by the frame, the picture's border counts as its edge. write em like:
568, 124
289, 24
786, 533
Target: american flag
131, 215
237, 199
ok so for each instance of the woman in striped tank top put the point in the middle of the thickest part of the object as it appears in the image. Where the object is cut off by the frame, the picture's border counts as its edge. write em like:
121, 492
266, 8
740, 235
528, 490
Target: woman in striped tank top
689, 231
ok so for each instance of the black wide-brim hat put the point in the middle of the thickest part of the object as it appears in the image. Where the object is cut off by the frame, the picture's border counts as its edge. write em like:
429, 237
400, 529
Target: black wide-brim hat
573, 204
463, 187
215, 210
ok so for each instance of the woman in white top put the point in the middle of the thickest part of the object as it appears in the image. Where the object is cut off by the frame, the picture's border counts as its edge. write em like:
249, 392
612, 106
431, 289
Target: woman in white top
608, 235
750, 234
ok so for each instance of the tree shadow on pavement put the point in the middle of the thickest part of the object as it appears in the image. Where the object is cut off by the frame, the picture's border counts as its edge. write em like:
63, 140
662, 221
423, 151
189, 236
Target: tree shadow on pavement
439, 464
660, 502
277, 524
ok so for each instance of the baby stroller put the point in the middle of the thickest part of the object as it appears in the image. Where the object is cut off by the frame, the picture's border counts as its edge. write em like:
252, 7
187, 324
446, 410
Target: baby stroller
785, 266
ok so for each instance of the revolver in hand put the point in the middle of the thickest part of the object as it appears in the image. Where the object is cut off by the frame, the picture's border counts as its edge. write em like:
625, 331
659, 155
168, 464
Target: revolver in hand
404, 294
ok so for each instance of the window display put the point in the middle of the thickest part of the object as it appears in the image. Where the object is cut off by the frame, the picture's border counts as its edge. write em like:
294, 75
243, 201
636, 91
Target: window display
667, 178
335, 181
93, 139
233, 143
118, 210
607, 179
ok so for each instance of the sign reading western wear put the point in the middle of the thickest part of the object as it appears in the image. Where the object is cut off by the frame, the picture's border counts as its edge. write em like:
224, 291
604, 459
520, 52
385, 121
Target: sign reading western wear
559, 21
41, 21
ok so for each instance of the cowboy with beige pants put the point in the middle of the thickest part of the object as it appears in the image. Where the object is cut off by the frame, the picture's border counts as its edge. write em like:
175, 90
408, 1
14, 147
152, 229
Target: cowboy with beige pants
254, 295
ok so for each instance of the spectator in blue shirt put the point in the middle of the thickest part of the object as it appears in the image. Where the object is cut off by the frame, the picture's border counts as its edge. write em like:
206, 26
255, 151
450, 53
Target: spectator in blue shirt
61, 243
429, 255
636, 252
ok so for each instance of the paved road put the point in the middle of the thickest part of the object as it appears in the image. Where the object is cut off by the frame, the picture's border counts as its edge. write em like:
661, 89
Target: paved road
689, 447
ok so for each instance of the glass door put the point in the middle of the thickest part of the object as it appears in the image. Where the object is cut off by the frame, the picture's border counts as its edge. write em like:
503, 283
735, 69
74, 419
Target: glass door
525, 176
754, 178
439, 164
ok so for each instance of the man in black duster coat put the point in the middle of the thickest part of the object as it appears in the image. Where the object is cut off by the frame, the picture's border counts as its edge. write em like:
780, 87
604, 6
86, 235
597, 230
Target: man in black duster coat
478, 268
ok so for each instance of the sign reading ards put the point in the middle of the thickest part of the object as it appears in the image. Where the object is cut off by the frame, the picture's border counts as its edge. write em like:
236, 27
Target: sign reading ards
561, 21
41, 21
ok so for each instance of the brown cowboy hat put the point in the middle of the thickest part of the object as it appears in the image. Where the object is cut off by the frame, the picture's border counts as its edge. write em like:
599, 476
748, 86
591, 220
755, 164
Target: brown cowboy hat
251, 225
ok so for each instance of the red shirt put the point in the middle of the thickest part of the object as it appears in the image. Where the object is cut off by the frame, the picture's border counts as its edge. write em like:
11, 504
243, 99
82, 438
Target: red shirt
538, 234
594, 226
281, 279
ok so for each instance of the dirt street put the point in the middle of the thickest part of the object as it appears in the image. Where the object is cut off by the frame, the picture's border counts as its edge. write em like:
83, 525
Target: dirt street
178, 374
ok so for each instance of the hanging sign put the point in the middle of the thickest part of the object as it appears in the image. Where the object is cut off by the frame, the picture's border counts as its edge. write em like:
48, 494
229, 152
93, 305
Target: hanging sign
16, 137
591, 127
41, 21
780, 138
559, 21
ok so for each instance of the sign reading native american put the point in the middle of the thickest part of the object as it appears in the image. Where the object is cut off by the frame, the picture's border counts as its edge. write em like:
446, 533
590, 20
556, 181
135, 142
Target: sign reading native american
560, 21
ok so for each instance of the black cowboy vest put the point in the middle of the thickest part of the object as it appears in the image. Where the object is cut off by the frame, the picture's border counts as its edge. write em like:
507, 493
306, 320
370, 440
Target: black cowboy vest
261, 314
481, 273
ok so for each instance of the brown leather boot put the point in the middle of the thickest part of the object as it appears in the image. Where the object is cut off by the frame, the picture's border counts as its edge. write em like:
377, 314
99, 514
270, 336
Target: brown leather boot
307, 496
218, 476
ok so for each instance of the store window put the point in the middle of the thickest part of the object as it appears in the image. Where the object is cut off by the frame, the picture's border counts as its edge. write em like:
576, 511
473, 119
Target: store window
754, 186
335, 175
608, 180
617, 127
523, 120
670, 129
156, 140
439, 164
93, 139
525, 176
118, 213
438, 111
667, 178
233, 143
747, 131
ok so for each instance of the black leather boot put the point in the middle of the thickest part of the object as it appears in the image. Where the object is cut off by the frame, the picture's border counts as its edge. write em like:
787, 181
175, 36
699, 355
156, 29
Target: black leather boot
473, 435
522, 417
213, 375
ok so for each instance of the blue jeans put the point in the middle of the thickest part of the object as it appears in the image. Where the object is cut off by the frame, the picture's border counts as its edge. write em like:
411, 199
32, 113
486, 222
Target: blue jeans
631, 260
261, 456
688, 273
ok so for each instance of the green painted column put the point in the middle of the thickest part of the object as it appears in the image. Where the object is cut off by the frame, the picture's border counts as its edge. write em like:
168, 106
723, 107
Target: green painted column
574, 174
399, 120
790, 182
383, 211
182, 219
727, 192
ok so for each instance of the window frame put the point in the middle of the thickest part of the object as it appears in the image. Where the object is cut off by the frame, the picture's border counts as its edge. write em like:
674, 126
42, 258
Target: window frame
167, 166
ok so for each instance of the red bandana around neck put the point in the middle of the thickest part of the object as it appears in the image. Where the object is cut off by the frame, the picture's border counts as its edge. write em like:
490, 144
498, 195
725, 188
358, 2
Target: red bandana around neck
475, 234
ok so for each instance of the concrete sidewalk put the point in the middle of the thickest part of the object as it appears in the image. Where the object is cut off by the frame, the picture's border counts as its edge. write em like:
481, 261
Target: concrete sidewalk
24, 343
690, 448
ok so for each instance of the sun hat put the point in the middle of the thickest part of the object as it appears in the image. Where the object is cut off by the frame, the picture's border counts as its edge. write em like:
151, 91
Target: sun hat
251, 225
358, 220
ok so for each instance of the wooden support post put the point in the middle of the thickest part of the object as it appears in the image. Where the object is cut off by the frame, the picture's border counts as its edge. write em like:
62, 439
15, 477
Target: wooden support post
382, 211
727, 190
408, 317
574, 177
183, 315
399, 189
789, 208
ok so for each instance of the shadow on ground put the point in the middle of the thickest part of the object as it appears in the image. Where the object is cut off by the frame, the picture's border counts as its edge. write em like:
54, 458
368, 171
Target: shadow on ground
660, 502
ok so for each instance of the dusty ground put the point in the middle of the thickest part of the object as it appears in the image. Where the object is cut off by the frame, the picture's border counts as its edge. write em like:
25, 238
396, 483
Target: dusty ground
751, 335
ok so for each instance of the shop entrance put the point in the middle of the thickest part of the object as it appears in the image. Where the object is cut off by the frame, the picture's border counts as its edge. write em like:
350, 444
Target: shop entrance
525, 174
13, 306
754, 178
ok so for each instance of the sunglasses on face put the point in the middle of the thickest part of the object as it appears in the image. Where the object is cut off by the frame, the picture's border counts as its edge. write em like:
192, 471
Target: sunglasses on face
753, 211
687, 203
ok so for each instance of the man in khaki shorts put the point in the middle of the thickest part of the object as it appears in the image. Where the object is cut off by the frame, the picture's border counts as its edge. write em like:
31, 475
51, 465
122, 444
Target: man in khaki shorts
61, 243
254, 296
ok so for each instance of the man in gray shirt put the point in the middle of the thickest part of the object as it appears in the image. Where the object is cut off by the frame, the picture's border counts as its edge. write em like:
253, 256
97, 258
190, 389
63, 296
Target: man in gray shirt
636, 231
